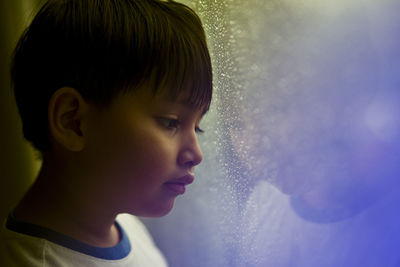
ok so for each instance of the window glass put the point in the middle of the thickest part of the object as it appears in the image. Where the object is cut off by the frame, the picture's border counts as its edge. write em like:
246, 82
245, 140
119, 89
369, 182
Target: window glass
301, 151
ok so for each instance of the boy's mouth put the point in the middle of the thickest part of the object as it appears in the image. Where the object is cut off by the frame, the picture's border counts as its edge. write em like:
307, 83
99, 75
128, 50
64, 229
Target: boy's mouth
178, 185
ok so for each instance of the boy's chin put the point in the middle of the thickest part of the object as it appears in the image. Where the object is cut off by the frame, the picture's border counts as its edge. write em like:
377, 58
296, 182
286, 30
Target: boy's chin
155, 211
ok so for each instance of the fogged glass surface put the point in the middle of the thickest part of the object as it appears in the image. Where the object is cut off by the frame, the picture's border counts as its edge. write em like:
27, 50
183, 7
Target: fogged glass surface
301, 151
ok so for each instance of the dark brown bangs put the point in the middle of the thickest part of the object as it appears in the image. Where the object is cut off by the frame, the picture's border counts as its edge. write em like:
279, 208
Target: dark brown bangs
183, 63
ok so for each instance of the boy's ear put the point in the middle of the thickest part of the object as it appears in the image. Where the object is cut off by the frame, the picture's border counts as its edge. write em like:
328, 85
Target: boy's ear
67, 114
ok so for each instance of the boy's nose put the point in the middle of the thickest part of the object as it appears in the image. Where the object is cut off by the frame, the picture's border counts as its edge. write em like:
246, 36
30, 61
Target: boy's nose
190, 154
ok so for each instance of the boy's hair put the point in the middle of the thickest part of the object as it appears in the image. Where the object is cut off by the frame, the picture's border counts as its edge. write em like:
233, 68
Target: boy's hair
106, 47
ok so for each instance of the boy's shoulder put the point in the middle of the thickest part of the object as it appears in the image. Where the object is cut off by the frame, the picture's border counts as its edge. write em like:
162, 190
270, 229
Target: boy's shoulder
17, 249
142, 244
23, 249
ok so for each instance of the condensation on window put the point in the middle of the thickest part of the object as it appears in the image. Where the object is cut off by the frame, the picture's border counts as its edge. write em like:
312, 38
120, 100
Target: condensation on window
302, 144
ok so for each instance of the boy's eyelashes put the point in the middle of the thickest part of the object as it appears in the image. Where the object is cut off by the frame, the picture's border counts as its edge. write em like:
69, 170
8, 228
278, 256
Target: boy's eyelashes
175, 124
199, 130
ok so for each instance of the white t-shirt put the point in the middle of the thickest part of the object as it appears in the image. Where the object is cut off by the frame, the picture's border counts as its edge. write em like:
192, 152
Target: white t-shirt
24, 244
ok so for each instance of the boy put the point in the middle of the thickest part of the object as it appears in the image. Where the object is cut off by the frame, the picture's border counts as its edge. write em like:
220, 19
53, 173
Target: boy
111, 92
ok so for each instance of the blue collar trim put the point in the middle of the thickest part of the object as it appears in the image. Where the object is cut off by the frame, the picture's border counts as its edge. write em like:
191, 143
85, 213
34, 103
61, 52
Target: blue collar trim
119, 251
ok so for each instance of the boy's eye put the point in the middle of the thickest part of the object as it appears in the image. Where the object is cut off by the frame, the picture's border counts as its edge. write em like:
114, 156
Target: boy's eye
174, 124
170, 123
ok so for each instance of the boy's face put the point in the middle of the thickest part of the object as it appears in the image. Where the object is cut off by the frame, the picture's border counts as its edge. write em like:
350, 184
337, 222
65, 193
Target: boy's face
142, 151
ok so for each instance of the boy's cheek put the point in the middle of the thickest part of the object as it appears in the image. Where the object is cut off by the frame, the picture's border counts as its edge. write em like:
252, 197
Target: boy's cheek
137, 156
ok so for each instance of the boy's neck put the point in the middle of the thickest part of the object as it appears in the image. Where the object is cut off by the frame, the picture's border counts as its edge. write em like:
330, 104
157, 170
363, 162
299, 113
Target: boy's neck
49, 204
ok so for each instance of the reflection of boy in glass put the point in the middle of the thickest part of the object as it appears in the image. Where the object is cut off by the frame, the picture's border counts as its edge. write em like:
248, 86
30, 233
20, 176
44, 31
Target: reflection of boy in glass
318, 119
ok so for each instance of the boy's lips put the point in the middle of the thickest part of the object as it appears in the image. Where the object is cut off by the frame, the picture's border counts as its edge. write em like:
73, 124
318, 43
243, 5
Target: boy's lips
178, 185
